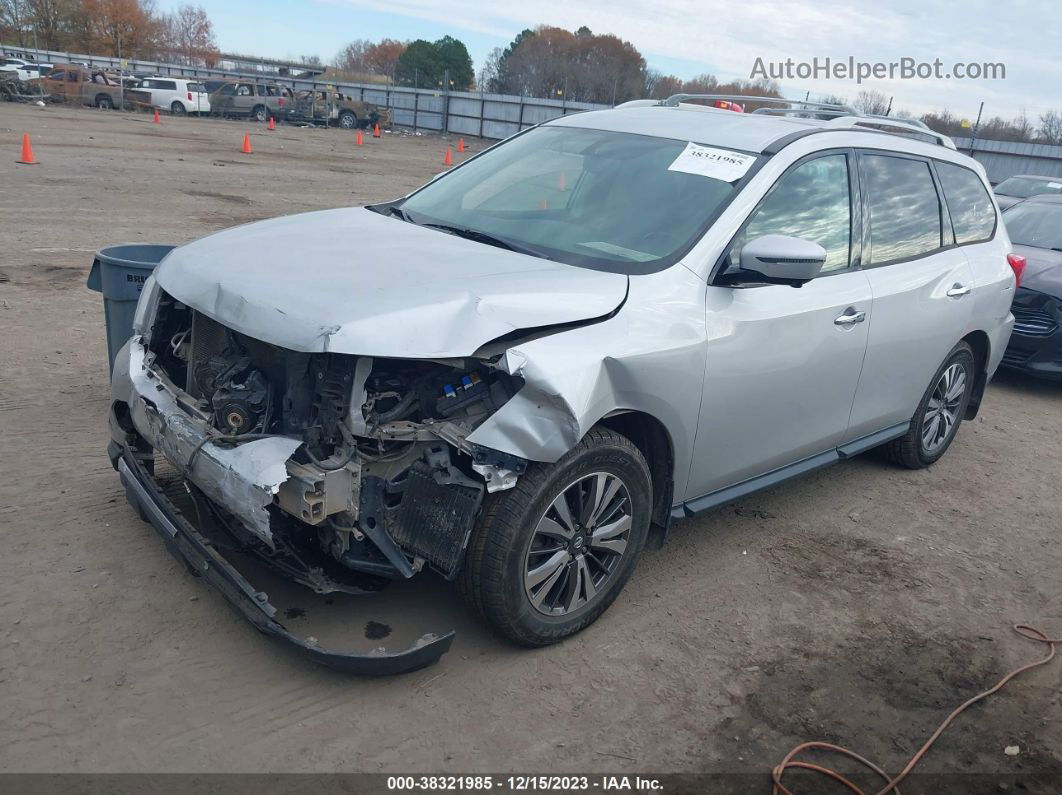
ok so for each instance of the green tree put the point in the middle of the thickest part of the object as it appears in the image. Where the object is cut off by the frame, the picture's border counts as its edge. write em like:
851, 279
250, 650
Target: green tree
426, 63
454, 58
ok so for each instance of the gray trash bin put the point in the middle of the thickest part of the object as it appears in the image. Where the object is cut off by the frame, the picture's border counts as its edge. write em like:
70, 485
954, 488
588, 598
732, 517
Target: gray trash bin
119, 272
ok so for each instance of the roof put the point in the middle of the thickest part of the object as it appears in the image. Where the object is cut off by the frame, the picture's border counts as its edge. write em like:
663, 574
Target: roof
747, 132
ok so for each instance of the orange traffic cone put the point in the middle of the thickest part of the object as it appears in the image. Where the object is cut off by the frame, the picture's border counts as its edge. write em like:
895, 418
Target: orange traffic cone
358, 140
246, 144
27, 152
448, 160
460, 144
376, 130
156, 119
272, 123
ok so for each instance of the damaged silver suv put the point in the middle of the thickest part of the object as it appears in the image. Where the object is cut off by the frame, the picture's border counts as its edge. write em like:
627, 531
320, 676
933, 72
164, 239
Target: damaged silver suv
600, 325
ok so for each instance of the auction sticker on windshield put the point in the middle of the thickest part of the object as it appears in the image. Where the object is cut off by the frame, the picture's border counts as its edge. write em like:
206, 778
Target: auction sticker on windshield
721, 164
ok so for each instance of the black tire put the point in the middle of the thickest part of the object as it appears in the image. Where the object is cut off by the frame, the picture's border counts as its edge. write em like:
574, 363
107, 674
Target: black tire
104, 102
911, 450
347, 120
177, 109
259, 113
493, 578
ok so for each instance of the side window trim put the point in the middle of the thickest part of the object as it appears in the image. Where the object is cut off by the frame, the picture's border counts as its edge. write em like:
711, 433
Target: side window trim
855, 221
947, 229
942, 217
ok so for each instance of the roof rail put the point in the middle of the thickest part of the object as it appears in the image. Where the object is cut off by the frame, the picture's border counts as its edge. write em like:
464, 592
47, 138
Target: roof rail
843, 115
890, 124
793, 104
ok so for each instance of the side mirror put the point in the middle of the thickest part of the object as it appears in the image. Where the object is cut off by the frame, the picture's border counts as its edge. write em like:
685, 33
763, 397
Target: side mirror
780, 259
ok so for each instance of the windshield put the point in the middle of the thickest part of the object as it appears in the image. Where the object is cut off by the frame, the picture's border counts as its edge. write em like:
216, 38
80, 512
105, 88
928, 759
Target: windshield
593, 198
1035, 224
1024, 187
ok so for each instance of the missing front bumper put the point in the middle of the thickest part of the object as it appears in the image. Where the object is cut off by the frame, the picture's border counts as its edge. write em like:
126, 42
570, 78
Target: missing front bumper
188, 546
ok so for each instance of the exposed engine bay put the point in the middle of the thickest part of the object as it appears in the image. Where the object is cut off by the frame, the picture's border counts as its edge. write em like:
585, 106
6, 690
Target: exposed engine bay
383, 481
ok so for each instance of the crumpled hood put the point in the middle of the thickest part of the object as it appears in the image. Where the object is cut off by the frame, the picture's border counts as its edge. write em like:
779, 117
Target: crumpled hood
1043, 269
354, 281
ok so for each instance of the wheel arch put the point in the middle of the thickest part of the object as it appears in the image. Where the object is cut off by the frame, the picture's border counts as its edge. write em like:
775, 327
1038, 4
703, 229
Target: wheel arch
653, 441
101, 96
981, 346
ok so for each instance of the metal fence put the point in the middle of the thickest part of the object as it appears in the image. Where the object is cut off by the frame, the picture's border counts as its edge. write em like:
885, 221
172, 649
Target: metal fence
458, 112
1003, 159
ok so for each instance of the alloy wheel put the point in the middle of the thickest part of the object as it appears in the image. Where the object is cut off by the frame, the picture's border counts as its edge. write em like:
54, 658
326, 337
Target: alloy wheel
577, 544
942, 411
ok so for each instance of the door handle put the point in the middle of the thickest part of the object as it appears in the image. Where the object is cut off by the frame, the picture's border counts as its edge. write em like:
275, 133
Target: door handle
850, 317
958, 290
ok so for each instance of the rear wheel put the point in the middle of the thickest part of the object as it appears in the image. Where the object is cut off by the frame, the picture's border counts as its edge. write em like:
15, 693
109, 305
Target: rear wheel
177, 109
549, 556
104, 102
260, 113
940, 413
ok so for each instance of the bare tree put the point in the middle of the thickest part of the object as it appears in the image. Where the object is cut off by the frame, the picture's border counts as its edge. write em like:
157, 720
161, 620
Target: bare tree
352, 57
487, 79
190, 35
1051, 127
873, 103
14, 21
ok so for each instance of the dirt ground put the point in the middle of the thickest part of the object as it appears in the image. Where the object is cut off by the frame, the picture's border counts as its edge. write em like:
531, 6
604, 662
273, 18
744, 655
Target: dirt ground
857, 605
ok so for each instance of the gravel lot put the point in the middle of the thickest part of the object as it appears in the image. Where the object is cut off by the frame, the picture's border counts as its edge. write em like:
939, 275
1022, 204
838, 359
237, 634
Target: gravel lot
857, 605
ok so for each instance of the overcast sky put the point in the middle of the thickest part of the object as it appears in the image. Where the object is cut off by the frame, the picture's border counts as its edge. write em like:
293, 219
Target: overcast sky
687, 37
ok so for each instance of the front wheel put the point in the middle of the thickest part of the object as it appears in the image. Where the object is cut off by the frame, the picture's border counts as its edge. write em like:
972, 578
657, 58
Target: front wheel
104, 102
549, 556
347, 120
940, 413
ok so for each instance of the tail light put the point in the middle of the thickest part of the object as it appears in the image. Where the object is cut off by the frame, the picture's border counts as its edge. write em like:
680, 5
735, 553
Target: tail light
189, 96
1017, 264
281, 101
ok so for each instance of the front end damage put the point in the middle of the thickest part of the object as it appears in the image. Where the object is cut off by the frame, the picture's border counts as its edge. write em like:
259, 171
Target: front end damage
340, 472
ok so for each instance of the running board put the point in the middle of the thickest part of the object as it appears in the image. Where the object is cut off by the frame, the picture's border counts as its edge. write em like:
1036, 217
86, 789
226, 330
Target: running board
743, 489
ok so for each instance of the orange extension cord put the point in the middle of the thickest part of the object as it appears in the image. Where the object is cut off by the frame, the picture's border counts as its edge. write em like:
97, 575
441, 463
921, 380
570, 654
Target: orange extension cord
1032, 633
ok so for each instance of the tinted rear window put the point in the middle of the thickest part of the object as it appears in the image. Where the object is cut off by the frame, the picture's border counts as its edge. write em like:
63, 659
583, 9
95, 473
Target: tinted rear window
196, 88
904, 208
972, 215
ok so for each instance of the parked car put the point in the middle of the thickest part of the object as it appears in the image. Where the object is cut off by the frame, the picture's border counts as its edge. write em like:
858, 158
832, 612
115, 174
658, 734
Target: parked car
177, 95
1013, 189
24, 70
524, 370
335, 108
1035, 227
79, 85
259, 101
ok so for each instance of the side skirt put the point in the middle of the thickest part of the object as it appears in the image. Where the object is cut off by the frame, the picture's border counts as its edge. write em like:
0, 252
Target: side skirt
740, 490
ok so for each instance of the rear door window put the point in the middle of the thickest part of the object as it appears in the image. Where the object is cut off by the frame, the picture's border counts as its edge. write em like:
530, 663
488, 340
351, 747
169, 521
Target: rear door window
973, 216
904, 208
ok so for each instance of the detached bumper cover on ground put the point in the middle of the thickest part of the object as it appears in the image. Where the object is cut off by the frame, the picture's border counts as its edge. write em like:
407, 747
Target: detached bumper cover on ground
190, 547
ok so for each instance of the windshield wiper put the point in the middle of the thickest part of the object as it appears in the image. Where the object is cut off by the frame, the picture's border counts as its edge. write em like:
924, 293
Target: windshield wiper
398, 212
484, 237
